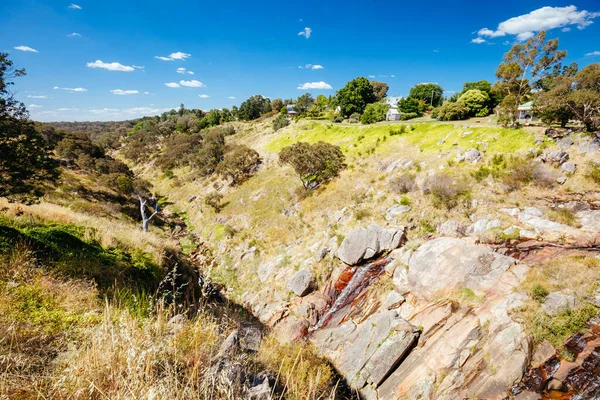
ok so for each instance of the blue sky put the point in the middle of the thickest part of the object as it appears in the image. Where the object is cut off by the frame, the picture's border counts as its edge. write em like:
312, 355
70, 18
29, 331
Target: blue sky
238, 48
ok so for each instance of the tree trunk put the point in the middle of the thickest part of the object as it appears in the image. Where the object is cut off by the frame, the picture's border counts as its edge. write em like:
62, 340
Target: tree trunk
145, 220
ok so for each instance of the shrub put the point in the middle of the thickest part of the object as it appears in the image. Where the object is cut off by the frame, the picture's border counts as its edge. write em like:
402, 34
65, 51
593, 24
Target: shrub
397, 130
445, 190
538, 292
564, 216
354, 118
402, 184
281, 121
337, 118
213, 200
593, 172
239, 164
453, 111
475, 101
315, 164
374, 112
407, 116
543, 176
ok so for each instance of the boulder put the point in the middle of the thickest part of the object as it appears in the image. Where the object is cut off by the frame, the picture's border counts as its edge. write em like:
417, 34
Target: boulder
450, 228
446, 264
557, 157
400, 280
556, 302
565, 142
561, 180
365, 243
249, 337
302, 283
568, 168
395, 211
473, 155
477, 227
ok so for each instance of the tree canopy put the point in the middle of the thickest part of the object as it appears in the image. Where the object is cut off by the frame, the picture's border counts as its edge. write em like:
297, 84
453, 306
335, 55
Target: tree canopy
25, 163
354, 97
254, 107
314, 163
380, 90
430, 93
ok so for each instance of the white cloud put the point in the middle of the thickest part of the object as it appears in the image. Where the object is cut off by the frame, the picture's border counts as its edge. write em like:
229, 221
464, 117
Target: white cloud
314, 85
181, 70
192, 83
231, 97
311, 66
567, 29
306, 32
68, 109
37, 97
75, 7
593, 54
392, 76
478, 40
191, 72
203, 96
371, 76
104, 110
178, 55
138, 66
545, 18
124, 92
113, 66
147, 93
144, 111
26, 48
436, 51
74, 34
172, 84
77, 89
34, 106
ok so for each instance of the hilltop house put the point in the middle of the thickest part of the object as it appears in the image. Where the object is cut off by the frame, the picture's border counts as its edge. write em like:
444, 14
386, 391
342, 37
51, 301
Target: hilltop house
393, 114
526, 111
291, 110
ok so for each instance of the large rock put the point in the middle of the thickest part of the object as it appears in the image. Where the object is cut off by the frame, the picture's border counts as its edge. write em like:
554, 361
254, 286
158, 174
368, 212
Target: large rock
473, 155
365, 353
365, 243
443, 265
558, 157
302, 283
556, 302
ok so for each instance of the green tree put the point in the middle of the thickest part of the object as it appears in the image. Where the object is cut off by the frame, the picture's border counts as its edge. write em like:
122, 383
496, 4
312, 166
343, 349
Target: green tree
374, 112
523, 65
354, 97
303, 103
239, 164
254, 107
276, 105
281, 121
430, 93
453, 111
411, 105
380, 90
314, 164
552, 102
213, 117
476, 102
584, 97
24, 162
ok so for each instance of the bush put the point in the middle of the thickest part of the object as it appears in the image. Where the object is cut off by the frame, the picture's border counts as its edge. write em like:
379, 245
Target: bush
315, 164
445, 190
593, 172
354, 118
475, 101
403, 184
239, 164
337, 118
281, 121
409, 115
543, 176
453, 111
213, 200
397, 130
538, 292
374, 112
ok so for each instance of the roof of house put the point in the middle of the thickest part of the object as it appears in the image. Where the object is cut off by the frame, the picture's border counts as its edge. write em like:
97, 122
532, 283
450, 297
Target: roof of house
526, 107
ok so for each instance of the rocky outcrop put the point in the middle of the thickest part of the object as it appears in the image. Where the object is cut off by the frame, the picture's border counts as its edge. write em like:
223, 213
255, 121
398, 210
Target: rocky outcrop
416, 342
365, 243
443, 265
557, 302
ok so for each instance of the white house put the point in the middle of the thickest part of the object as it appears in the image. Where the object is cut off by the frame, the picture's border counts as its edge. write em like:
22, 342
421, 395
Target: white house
526, 111
393, 114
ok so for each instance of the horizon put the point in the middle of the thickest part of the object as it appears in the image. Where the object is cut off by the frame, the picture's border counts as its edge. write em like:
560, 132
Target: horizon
113, 61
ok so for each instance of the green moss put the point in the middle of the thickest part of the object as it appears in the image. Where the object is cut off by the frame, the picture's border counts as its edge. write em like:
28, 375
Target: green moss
556, 329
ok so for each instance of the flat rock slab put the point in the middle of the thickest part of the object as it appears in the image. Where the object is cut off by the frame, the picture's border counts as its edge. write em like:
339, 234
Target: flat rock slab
447, 264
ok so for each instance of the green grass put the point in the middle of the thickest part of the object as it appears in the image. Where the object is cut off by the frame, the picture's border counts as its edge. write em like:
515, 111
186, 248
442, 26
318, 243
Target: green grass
362, 140
69, 250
